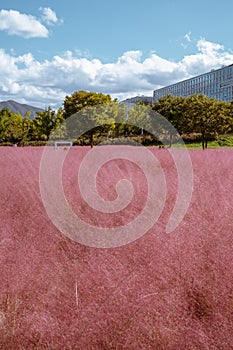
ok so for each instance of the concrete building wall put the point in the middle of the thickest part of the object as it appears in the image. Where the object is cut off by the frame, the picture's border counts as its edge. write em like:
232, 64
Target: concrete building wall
216, 84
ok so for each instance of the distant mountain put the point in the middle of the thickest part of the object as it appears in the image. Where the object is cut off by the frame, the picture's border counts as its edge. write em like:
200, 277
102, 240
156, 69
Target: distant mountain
17, 107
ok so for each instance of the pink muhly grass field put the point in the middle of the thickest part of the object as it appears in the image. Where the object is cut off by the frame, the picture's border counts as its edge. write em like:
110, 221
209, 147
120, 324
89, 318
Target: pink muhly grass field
163, 291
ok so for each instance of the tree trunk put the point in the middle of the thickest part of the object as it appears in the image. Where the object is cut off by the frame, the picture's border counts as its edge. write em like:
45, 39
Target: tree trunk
203, 144
203, 141
91, 138
117, 131
170, 140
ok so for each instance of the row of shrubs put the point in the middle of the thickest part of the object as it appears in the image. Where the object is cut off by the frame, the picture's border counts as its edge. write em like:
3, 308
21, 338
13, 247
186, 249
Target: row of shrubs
146, 140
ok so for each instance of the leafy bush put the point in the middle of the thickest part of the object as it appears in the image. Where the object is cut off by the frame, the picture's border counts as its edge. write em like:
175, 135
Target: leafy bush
225, 141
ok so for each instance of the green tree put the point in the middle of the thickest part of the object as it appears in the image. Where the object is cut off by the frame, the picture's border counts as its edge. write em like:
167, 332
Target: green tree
96, 121
45, 122
27, 126
230, 115
83, 99
11, 126
208, 116
172, 108
138, 119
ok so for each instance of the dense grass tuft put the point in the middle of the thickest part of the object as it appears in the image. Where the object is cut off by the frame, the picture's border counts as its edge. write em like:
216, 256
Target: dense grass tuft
160, 292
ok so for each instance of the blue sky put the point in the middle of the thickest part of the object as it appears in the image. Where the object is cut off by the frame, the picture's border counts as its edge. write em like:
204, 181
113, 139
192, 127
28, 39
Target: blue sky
49, 49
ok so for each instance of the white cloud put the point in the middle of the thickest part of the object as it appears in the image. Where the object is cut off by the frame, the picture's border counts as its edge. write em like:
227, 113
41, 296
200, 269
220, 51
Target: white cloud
208, 47
26, 26
188, 37
26, 79
49, 16
210, 56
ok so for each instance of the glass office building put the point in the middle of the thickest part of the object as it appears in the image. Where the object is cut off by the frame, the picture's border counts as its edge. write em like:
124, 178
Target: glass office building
216, 84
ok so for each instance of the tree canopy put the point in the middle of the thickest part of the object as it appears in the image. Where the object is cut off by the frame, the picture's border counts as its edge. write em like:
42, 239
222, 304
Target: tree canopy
196, 114
83, 99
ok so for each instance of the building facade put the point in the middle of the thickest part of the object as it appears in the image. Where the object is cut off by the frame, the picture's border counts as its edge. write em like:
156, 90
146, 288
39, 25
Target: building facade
145, 99
216, 84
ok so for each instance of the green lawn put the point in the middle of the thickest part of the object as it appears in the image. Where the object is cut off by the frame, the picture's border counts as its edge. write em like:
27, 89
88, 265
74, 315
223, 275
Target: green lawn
223, 141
